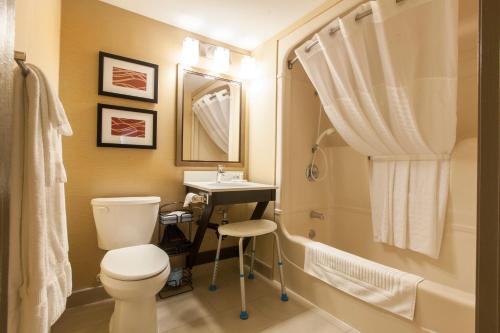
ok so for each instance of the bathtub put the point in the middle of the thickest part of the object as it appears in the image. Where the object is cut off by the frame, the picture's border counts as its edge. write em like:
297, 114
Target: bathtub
439, 308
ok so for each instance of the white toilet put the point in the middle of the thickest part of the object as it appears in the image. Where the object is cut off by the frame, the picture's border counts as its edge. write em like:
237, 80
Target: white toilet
132, 271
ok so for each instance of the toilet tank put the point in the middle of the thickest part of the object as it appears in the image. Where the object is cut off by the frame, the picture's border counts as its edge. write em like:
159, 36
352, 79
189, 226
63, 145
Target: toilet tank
125, 221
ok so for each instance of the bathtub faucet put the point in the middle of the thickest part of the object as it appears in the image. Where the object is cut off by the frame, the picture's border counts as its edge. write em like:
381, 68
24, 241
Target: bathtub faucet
316, 215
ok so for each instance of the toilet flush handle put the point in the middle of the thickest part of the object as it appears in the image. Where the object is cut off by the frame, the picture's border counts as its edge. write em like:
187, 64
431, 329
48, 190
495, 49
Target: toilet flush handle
103, 209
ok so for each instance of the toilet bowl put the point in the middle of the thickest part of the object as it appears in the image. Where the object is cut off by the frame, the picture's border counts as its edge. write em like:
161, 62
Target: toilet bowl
133, 276
132, 271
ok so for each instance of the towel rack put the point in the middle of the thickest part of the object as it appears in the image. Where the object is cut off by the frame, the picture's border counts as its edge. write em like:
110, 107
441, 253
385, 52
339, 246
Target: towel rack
20, 58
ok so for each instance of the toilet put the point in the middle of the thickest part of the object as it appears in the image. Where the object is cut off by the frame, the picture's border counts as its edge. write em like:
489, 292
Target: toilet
132, 271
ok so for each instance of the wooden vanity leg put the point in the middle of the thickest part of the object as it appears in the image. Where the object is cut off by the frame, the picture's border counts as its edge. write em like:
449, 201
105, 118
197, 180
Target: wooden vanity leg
258, 211
200, 233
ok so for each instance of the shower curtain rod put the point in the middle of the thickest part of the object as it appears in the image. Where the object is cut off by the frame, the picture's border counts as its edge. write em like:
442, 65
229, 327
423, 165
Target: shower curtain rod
332, 31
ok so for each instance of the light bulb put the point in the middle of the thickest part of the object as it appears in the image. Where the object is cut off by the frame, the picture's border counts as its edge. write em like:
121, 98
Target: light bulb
190, 51
221, 59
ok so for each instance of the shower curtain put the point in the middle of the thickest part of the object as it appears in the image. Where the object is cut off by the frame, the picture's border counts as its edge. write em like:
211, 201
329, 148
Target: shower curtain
213, 112
388, 83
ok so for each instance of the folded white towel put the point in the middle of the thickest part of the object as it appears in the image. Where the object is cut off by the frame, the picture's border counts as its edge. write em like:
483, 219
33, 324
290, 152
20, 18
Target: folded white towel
385, 287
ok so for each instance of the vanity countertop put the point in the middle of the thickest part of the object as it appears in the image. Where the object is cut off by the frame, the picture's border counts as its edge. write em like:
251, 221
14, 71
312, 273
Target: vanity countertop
231, 189
227, 186
231, 181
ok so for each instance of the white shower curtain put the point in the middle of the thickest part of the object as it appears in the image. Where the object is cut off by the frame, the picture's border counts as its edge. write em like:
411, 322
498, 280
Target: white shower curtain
388, 83
213, 112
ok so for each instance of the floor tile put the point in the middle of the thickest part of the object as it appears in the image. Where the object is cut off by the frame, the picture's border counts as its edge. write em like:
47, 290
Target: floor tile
228, 322
181, 309
309, 321
272, 306
204, 311
85, 319
228, 296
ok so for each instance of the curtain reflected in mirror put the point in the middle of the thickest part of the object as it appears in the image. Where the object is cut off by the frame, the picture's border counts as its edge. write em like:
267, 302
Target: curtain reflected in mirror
211, 117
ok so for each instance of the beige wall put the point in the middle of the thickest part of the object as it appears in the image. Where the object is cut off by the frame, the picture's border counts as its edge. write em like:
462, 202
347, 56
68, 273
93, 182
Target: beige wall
86, 28
261, 97
37, 34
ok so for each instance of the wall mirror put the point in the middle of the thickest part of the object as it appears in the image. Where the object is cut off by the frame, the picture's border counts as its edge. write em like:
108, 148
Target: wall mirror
209, 118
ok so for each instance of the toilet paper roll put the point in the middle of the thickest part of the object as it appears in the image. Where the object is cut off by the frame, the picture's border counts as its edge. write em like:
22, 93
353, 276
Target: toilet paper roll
189, 199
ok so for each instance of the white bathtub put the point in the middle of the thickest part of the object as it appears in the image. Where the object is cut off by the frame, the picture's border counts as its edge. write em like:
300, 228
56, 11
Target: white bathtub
439, 308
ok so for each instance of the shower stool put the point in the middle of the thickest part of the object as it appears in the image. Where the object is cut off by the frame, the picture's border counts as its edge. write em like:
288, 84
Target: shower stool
251, 228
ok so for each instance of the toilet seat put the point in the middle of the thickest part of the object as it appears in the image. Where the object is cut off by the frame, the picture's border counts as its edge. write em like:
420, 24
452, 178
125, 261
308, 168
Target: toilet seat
134, 263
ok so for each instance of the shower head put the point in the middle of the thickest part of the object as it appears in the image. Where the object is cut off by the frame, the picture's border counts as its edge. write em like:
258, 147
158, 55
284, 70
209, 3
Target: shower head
326, 132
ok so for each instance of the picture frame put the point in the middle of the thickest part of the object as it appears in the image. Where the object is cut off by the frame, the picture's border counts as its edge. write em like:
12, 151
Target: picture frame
126, 127
127, 78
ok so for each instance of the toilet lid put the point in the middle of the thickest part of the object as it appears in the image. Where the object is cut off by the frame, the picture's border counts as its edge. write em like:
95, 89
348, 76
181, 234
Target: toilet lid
134, 262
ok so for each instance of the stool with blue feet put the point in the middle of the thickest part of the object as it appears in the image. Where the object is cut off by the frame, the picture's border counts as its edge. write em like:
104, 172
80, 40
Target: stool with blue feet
251, 228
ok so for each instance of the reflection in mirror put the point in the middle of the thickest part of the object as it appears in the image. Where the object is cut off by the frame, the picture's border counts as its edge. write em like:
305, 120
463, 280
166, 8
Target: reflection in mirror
210, 117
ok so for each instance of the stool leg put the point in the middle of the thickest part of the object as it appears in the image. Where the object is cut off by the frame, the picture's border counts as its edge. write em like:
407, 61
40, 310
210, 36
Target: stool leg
243, 313
284, 296
250, 275
212, 286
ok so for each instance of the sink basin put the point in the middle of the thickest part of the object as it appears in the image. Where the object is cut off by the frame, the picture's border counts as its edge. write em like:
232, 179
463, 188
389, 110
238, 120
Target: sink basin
228, 184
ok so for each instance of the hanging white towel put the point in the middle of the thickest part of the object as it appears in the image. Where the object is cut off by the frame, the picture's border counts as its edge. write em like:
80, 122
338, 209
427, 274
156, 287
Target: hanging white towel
39, 268
382, 286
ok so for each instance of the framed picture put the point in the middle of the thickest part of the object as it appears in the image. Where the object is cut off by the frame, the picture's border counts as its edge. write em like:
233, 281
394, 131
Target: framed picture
120, 126
127, 78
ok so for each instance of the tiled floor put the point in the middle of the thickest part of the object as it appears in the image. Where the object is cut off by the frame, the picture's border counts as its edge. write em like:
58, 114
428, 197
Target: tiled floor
207, 312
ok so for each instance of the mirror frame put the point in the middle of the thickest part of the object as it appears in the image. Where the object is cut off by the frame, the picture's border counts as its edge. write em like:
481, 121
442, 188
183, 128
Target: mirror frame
179, 161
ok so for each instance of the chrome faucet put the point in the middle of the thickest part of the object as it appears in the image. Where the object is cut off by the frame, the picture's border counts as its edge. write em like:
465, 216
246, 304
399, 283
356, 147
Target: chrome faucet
220, 172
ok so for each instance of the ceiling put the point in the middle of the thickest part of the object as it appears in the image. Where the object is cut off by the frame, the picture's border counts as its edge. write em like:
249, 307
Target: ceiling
241, 23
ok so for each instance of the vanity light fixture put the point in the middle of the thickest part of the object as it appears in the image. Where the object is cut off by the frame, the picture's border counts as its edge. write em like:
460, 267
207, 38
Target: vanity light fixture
221, 59
190, 51
248, 67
